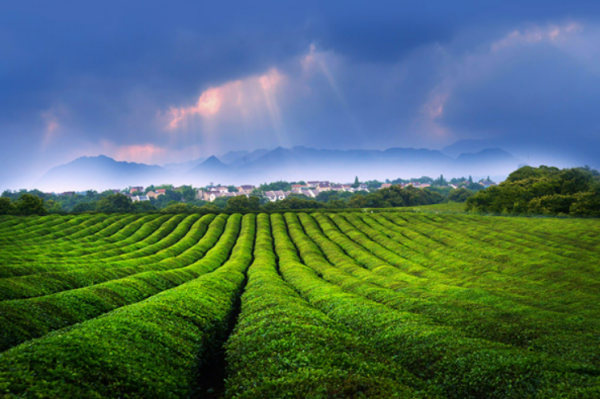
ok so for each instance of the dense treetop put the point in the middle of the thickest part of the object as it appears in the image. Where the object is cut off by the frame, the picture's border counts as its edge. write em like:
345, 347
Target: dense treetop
544, 190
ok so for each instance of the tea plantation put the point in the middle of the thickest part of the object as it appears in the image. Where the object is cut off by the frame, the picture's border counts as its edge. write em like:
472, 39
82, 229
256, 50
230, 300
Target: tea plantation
299, 305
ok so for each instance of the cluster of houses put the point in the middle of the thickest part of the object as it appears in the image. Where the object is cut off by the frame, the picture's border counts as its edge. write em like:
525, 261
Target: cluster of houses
311, 189
485, 183
415, 184
144, 197
213, 193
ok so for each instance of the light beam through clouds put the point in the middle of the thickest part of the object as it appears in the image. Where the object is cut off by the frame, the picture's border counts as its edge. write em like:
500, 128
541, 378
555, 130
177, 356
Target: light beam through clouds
232, 99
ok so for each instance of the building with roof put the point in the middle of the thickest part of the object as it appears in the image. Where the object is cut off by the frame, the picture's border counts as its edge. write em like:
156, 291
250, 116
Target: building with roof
138, 198
245, 189
277, 195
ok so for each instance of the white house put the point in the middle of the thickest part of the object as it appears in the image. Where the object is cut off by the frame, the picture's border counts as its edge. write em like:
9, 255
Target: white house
277, 195
138, 198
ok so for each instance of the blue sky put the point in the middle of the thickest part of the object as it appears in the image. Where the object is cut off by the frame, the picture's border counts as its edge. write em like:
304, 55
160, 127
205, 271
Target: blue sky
161, 82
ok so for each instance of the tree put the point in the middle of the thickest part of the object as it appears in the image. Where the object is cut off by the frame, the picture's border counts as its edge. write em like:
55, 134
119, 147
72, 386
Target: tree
440, 181
209, 208
254, 203
6, 206
274, 186
85, 207
143, 206
115, 203
52, 206
543, 190
337, 204
188, 193
241, 203
459, 195
356, 182
29, 204
177, 208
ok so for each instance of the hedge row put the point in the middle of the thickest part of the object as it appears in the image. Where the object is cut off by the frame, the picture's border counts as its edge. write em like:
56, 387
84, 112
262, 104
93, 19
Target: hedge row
39, 229
149, 234
30, 318
454, 271
49, 283
56, 257
459, 366
284, 348
531, 274
156, 348
26, 223
475, 312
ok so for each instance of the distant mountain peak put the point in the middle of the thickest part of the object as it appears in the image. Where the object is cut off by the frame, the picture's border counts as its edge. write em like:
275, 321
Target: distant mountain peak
212, 160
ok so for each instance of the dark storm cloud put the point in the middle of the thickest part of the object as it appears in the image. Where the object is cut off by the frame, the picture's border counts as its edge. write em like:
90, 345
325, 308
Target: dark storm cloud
79, 76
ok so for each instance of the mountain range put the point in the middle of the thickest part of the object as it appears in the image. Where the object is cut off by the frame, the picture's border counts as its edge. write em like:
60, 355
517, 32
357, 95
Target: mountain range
297, 163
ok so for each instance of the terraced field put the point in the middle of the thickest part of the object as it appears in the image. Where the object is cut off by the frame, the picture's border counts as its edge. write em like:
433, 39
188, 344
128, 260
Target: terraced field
296, 305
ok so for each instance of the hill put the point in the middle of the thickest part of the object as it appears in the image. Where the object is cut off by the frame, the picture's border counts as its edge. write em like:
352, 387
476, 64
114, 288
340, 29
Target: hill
100, 172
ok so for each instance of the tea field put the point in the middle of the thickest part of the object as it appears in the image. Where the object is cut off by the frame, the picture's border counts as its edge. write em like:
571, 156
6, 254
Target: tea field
299, 305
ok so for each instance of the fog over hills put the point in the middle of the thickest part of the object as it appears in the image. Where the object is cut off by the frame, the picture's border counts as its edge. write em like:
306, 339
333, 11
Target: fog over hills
561, 152
297, 163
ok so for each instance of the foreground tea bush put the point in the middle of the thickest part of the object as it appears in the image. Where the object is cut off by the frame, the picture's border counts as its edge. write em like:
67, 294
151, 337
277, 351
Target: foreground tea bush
154, 348
21, 320
284, 348
335, 305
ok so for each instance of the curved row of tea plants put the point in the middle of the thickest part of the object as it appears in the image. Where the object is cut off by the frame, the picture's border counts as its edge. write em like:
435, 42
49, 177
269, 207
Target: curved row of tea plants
154, 348
284, 348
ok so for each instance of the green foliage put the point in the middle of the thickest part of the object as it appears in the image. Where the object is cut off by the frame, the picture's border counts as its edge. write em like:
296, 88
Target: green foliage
116, 355
29, 204
308, 355
143, 206
241, 203
188, 194
114, 203
459, 195
404, 303
544, 190
177, 208
293, 203
275, 186
84, 207
440, 181
396, 196
6, 206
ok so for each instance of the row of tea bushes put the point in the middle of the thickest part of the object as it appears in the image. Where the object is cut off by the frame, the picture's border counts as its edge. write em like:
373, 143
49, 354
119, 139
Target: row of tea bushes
458, 366
284, 348
21, 320
155, 348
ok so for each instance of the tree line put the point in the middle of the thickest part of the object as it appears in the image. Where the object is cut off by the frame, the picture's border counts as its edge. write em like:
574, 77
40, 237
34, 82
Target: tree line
545, 190
28, 203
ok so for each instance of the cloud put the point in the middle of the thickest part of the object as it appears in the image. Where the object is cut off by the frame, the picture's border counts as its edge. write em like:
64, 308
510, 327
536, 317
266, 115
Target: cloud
245, 107
536, 35
208, 104
190, 80
145, 153
529, 81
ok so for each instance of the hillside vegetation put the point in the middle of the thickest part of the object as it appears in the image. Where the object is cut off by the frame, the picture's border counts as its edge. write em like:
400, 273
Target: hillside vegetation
299, 305
544, 190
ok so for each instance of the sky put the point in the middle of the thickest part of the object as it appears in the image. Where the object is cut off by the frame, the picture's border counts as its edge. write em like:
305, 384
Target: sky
160, 82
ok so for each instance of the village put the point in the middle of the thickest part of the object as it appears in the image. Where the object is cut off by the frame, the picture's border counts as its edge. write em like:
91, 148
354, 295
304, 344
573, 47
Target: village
310, 189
